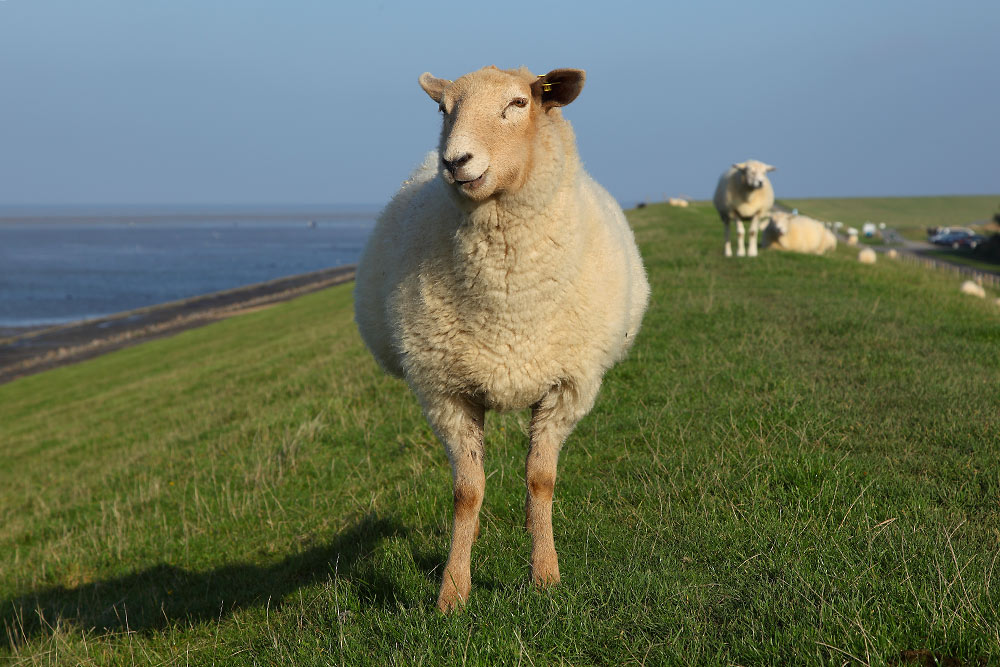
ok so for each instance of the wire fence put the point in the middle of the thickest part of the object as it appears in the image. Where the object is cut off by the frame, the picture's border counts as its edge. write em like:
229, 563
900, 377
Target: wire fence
987, 278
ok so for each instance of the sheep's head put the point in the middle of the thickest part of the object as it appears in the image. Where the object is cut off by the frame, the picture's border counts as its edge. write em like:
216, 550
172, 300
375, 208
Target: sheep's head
490, 119
754, 173
779, 220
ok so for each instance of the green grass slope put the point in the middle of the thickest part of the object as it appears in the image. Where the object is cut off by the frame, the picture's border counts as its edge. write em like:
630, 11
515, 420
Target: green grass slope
798, 464
910, 215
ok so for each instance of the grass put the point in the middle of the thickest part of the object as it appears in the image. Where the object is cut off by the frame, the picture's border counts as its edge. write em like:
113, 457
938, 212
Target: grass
911, 216
798, 464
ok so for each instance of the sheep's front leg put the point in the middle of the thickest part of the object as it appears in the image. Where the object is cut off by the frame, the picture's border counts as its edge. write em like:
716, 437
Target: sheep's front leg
740, 232
728, 247
459, 425
754, 227
552, 420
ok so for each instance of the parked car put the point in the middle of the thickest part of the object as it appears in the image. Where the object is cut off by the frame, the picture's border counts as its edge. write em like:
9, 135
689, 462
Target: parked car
944, 231
950, 237
971, 242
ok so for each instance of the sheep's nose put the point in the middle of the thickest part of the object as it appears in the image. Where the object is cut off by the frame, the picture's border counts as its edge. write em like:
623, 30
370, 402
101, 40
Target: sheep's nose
452, 165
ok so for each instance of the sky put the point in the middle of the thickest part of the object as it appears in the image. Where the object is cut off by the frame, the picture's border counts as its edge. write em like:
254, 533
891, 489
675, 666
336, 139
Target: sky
317, 102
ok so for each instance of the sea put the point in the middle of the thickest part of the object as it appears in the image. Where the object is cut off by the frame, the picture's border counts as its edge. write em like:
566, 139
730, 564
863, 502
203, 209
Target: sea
63, 264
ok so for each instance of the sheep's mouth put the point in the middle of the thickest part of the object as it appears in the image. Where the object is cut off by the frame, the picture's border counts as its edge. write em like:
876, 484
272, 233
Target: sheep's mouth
473, 184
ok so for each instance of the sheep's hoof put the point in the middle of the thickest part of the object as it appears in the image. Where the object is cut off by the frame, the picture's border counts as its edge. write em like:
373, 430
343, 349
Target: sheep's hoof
450, 601
454, 592
545, 572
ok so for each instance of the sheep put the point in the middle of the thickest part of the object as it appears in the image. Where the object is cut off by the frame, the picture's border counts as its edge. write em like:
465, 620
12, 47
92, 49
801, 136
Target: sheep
867, 256
852, 236
798, 233
972, 289
892, 253
501, 277
678, 201
744, 193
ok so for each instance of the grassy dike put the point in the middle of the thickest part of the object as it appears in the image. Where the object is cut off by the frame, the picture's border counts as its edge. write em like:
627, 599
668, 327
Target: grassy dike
911, 216
798, 464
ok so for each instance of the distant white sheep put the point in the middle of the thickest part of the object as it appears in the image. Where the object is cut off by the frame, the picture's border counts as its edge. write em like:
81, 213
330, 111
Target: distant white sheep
852, 236
867, 256
744, 194
973, 289
798, 233
892, 253
501, 277
678, 201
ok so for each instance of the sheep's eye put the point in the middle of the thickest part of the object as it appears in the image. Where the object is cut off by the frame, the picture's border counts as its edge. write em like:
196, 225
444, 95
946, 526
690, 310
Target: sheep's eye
519, 102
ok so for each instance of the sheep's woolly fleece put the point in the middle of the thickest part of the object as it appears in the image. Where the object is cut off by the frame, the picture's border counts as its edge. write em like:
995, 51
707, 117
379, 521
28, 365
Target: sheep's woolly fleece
798, 233
973, 289
503, 299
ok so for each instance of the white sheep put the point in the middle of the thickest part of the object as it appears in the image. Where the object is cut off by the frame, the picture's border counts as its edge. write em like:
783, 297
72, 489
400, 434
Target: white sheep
892, 253
867, 256
798, 233
678, 201
501, 277
852, 236
744, 193
973, 289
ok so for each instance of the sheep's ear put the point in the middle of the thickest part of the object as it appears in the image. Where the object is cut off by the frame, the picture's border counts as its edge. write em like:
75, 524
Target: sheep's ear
433, 86
559, 87
768, 167
740, 165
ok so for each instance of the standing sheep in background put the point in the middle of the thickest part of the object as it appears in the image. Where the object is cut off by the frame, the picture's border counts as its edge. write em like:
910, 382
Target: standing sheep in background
501, 277
867, 256
744, 193
798, 233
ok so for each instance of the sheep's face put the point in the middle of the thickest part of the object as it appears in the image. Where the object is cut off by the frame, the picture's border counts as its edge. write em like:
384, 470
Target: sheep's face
779, 220
754, 173
490, 119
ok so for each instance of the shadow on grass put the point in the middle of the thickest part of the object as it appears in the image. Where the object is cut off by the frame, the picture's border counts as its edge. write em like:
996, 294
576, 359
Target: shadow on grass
163, 595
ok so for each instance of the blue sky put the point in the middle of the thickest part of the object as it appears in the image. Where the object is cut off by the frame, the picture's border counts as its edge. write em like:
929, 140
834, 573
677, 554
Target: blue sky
180, 101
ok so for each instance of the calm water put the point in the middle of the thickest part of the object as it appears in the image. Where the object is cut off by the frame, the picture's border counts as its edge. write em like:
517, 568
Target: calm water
56, 269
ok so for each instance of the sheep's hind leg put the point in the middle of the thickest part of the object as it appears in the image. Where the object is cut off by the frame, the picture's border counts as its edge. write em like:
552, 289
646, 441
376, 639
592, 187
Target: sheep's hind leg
459, 425
740, 232
728, 247
552, 420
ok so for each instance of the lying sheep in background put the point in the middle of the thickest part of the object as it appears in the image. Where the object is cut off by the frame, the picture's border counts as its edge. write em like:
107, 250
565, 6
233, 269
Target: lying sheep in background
677, 201
798, 233
852, 236
973, 289
501, 277
744, 193
892, 253
867, 256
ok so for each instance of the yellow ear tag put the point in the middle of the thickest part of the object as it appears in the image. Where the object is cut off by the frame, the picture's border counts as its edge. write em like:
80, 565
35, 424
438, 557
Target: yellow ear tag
546, 87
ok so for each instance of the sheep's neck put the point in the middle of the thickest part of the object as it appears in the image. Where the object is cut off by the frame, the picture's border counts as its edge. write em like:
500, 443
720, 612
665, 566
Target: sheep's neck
519, 245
